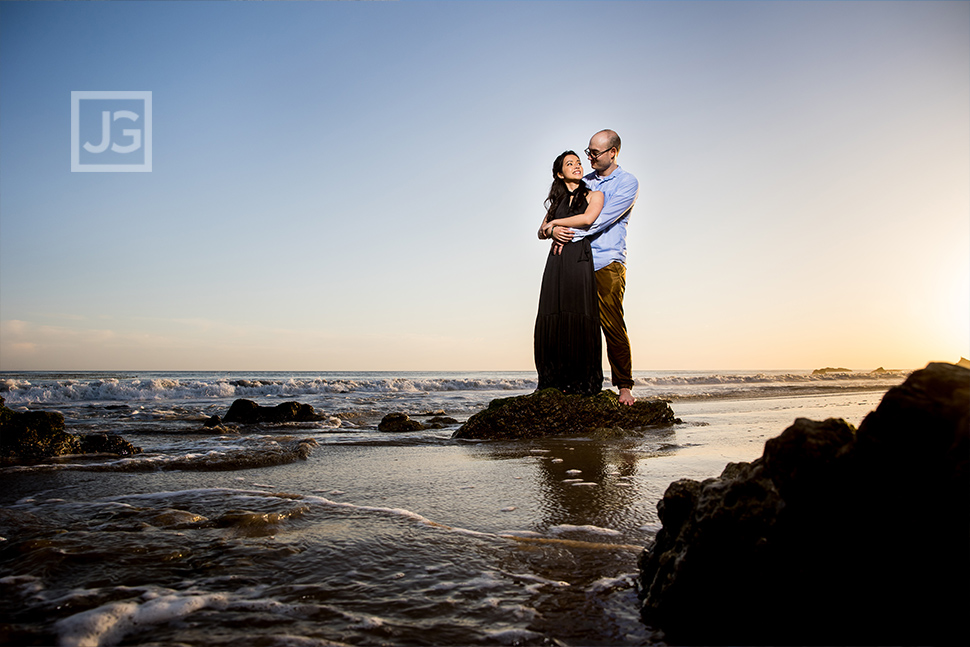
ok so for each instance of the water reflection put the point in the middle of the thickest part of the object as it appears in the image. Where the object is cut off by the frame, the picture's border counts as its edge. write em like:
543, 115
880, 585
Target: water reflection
585, 482
593, 500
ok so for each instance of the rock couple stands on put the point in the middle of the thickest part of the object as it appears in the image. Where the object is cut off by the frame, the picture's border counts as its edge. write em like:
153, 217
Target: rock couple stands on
549, 412
835, 536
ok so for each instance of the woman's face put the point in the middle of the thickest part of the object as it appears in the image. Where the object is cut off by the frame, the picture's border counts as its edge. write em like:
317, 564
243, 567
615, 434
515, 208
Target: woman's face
572, 169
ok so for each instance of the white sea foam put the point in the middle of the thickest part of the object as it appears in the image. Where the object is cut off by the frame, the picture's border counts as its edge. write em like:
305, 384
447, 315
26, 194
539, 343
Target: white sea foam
398, 512
536, 582
562, 528
109, 623
25, 585
520, 533
609, 583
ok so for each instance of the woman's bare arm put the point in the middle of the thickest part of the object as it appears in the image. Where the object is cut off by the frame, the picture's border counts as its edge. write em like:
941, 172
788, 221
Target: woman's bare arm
585, 219
545, 229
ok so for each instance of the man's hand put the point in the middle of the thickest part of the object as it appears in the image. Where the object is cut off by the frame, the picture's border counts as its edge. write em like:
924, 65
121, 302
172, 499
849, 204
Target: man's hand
557, 248
562, 235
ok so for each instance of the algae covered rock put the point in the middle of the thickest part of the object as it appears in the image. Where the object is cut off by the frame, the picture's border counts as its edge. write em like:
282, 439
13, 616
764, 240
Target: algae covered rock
34, 434
551, 413
107, 444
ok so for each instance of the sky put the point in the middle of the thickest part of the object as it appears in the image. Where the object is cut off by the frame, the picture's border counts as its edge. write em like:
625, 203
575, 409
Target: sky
350, 186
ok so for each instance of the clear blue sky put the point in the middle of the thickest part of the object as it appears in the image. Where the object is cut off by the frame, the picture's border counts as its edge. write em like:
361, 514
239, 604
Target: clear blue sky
357, 185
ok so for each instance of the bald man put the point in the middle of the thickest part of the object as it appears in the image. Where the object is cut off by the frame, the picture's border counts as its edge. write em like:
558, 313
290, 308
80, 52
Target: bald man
607, 237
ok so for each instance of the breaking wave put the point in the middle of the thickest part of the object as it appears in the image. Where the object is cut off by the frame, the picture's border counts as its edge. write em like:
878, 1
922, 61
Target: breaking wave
23, 390
53, 389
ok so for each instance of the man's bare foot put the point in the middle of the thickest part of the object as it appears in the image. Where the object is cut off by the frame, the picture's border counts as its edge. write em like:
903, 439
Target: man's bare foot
626, 397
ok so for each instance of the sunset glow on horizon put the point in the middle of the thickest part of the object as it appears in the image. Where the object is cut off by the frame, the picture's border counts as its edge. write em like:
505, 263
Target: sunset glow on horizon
357, 186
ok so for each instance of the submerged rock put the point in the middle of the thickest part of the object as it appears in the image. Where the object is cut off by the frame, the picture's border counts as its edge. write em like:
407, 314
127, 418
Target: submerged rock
550, 412
248, 412
107, 444
833, 536
282, 453
437, 422
34, 435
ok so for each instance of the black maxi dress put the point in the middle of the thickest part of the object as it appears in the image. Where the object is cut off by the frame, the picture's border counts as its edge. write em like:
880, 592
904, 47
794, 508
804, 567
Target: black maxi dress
568, 350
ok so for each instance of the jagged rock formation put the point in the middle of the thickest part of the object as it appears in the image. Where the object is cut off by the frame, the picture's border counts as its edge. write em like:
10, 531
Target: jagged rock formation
834, 536
550, 412
248, 412
36, 435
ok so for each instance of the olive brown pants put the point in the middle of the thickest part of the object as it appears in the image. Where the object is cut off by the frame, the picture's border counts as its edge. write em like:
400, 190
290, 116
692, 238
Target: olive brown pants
610, 285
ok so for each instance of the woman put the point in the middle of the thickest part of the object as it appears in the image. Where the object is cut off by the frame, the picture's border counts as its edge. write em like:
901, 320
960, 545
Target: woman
568, 351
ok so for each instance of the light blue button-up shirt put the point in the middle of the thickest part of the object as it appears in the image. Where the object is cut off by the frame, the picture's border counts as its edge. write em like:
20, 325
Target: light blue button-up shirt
607, 234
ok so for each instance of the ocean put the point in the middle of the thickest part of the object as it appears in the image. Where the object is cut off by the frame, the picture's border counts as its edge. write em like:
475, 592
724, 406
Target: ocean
230, 536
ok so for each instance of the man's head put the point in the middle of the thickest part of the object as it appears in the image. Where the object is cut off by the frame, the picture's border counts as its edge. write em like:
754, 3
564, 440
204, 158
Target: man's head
604, 146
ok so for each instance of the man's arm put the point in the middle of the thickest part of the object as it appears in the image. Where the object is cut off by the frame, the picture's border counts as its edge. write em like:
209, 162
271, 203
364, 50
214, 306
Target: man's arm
617, 204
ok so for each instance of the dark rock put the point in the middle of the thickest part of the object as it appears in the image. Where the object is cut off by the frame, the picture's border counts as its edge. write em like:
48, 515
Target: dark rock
442, 420
833, 536
107, 444
550, 412
214, 421
248, 412
398, 422
34, 435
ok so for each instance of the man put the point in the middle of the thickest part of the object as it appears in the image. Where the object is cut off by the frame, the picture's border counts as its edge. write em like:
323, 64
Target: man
608, 241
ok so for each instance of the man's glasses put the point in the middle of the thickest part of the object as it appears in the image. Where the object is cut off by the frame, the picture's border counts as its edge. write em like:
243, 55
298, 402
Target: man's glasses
593, 155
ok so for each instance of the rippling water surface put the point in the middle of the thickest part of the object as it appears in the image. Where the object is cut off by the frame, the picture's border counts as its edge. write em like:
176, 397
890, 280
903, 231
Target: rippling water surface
373, 538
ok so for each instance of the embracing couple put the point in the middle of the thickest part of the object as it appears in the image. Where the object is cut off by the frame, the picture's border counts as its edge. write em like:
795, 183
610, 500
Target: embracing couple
585, 275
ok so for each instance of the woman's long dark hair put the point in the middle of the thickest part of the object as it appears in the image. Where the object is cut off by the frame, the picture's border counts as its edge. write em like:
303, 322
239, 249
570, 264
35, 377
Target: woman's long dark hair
558, 190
